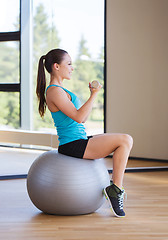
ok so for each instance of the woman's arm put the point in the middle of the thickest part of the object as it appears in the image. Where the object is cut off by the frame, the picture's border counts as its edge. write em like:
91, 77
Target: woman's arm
92, 90
60, 99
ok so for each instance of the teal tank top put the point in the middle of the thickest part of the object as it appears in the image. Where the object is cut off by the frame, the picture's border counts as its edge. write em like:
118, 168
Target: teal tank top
68, 130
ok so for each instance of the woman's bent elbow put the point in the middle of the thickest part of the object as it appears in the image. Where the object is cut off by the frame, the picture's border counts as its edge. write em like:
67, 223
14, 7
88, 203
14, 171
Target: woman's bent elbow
78, 120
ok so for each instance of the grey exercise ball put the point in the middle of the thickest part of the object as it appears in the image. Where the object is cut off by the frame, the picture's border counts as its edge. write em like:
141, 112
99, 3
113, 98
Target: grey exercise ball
63, 185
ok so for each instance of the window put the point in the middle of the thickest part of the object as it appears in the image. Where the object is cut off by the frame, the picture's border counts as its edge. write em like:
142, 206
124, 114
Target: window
10, 64
9, 16
78, 27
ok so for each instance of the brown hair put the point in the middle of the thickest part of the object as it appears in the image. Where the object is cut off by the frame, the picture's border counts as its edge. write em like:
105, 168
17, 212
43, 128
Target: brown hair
53, 56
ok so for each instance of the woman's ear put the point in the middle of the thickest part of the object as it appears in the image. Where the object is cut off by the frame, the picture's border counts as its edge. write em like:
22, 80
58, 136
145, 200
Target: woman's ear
56, 66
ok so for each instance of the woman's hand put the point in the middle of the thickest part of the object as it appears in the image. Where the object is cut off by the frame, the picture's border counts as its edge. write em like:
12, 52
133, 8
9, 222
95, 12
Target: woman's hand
94, 90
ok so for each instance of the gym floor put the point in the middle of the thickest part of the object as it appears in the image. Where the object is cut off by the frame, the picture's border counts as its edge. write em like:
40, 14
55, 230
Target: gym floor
146, 206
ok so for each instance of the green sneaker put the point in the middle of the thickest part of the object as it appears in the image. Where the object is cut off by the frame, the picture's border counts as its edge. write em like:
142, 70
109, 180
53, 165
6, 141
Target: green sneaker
115, 196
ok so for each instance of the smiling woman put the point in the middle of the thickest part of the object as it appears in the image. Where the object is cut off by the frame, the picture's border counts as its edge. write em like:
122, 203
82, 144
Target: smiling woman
67, 112
69, 115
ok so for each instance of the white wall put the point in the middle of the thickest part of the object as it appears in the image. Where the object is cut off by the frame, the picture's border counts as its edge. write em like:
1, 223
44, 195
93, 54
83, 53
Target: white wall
137, 74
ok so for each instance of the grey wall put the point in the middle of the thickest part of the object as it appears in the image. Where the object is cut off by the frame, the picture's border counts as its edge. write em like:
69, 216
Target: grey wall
137, 74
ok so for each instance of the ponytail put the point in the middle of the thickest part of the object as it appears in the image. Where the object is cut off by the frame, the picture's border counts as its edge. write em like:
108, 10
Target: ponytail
53, 56
41, 86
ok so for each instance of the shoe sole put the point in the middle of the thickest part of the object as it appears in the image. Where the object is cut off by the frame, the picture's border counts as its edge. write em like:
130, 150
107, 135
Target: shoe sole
111, 207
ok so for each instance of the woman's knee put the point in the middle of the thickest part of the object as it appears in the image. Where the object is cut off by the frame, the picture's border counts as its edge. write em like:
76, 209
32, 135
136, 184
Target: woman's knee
127, 140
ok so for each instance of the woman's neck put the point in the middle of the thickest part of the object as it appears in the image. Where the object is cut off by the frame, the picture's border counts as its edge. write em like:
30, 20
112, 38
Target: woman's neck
57, 81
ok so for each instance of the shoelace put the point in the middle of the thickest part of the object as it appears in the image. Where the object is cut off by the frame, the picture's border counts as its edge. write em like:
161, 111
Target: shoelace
122, 197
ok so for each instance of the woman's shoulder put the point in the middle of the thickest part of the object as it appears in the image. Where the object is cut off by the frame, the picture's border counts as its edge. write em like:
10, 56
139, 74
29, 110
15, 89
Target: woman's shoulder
57, 92
53, 86
54, 89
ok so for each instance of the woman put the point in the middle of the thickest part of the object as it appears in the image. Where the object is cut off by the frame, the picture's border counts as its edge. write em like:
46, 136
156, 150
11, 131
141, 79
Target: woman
69, 117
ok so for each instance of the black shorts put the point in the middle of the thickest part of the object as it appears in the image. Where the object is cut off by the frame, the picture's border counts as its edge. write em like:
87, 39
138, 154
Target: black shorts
75, 148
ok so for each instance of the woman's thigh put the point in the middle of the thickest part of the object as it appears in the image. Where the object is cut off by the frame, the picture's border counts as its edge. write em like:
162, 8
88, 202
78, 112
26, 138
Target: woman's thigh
103, 144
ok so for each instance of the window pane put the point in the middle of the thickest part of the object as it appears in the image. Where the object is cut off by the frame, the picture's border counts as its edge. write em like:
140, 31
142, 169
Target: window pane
9, 110
9, 16
9, 62
78, 27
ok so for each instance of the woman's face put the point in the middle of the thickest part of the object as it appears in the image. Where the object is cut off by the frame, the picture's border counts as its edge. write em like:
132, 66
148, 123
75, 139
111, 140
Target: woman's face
65, 67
